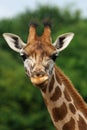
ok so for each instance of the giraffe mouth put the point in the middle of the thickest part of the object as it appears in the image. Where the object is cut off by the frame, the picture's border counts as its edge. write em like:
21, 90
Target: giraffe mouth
39, 80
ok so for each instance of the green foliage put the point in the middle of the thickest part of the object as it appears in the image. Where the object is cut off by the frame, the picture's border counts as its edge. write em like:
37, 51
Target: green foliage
21, 104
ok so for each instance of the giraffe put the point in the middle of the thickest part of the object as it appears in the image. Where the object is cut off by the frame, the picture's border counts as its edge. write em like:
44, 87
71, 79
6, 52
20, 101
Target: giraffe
66, 107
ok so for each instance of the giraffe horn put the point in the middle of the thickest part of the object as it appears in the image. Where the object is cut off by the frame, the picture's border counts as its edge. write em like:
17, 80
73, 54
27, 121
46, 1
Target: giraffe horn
32, 32
47, 32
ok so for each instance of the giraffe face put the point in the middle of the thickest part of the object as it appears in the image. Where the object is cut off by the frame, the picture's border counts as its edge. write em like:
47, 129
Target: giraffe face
38, 61
39, 53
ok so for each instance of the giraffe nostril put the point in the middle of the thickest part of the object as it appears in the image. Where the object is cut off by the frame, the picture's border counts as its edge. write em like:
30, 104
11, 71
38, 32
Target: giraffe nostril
38, 74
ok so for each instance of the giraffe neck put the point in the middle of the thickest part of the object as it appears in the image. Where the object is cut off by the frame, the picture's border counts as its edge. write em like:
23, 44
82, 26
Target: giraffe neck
61, 100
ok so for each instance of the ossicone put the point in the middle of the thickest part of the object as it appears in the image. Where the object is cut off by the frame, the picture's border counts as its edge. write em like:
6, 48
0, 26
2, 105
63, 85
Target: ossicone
32, 32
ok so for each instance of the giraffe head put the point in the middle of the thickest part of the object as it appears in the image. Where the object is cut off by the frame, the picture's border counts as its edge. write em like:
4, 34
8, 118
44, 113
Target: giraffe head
39, 54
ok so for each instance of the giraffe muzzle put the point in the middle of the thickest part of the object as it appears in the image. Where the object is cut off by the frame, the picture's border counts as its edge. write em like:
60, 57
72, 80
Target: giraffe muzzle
39, 77
39, 80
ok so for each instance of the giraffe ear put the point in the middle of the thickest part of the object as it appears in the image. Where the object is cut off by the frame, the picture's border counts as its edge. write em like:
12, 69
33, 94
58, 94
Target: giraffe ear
63, 41
14, 41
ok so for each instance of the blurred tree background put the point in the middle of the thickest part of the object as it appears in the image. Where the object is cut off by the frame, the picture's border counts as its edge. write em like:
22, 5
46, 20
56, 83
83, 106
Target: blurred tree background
21, 104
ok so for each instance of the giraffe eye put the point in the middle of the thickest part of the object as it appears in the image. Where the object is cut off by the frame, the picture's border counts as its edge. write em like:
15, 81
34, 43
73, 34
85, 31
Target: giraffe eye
24, 56
54, 56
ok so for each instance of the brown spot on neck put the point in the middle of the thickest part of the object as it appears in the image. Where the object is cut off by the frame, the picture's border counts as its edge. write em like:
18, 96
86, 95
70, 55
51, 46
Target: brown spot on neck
51, 83
59, 112
70, 125
72, 108
82, 124
57, 94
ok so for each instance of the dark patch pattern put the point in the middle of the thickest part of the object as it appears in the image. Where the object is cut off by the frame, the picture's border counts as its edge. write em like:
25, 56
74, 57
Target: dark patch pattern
59, 112
70, 125
66, 94
61, 41
57, 94
51, 84
82, 124
16, 42
72, 108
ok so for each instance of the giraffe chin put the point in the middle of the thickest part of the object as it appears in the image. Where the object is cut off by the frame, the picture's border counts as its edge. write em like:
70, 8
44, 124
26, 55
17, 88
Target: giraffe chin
39, 80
